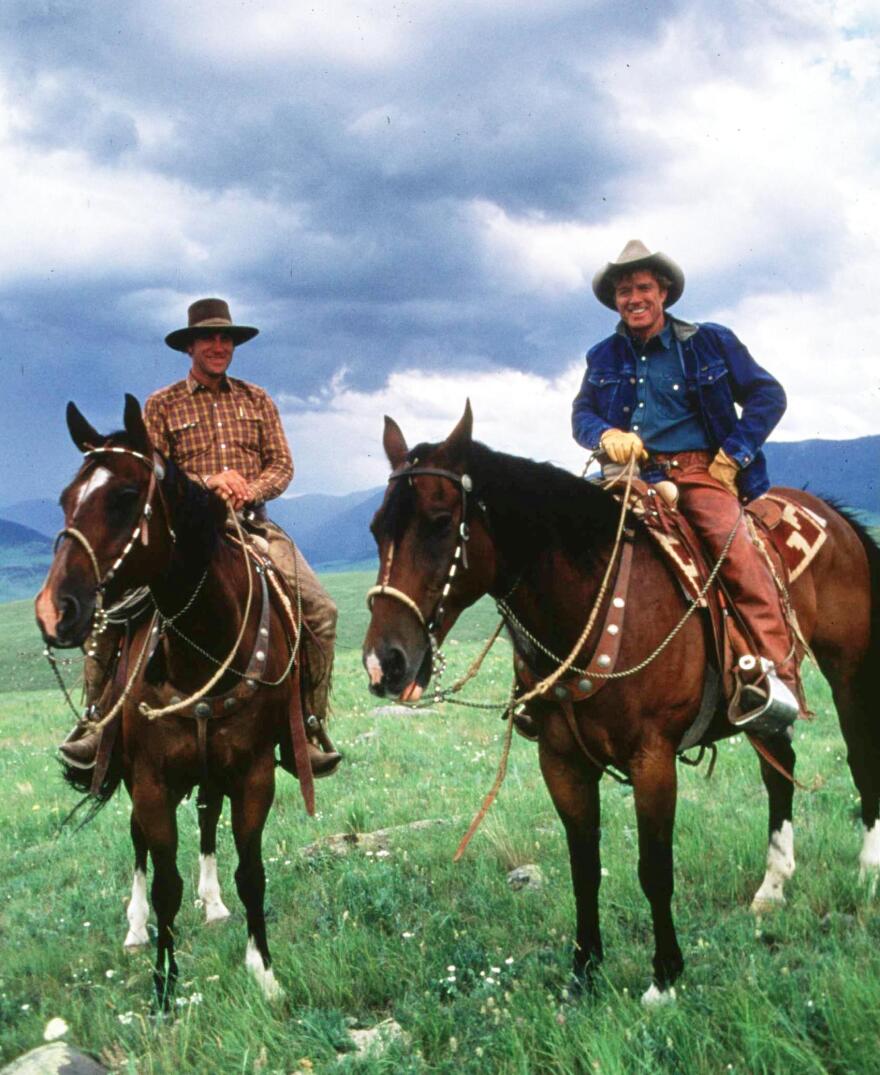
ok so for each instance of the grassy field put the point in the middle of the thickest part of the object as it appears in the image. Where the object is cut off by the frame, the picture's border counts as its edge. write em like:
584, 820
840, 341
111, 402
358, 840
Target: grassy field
370, 936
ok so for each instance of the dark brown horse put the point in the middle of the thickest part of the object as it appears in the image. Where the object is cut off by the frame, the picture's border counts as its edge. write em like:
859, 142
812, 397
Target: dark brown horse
539, 539
133, 519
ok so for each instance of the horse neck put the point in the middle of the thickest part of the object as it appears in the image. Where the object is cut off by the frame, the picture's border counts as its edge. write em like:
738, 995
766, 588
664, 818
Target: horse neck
552, 544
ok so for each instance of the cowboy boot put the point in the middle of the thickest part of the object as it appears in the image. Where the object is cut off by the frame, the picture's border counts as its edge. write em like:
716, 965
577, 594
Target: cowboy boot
323, 755
323, 762
80, 748
763, 703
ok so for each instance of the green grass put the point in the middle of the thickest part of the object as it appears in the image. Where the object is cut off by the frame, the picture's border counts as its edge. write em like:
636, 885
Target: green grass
365, 937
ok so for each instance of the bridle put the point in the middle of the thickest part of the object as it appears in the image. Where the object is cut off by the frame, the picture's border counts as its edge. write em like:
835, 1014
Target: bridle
140, 531
430, 625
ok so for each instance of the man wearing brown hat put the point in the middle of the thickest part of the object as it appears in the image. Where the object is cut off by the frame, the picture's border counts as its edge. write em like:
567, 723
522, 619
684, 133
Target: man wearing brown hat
664, 390
227, 434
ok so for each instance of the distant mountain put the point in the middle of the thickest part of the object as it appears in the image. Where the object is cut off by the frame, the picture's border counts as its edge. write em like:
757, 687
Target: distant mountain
300, 516
24, 559
13, 535
847, 470
44, 515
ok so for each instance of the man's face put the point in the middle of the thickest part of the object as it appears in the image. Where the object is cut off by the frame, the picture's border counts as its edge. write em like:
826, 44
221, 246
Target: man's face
211, 353
639, 299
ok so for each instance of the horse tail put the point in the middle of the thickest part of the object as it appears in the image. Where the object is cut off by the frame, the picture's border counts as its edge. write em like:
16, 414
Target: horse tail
93, 802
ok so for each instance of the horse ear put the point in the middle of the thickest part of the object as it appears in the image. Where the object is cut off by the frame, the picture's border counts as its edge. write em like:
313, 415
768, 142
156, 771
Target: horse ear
394, 443
459, 440
83, 435
134, 426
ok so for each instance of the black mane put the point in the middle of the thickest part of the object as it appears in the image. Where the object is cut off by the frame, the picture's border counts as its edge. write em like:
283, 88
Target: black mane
532, 507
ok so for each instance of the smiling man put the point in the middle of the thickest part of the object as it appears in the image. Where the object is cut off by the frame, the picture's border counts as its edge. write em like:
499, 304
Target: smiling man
693, 407
227, 434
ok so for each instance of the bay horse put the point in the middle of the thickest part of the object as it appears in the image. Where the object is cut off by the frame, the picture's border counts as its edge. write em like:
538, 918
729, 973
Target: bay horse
460, 520
133, 519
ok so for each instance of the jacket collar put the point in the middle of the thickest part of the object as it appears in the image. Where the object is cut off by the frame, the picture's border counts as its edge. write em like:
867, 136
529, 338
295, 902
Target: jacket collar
683, 330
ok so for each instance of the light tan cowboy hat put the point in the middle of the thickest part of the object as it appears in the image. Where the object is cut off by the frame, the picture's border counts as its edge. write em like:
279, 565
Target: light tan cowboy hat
208, 314
635, 255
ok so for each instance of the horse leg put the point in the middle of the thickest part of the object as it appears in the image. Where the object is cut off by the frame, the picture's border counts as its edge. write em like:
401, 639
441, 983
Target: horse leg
138, 910
780, 848
655, 784
858, 724
251, 801
156, 813
575, 794
209, 805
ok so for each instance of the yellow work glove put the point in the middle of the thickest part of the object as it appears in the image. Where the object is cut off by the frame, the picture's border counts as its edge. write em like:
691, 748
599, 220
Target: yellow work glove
724, 470
620, 446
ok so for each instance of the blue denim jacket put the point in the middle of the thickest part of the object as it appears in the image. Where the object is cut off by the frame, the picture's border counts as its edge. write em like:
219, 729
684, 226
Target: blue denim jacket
718, 373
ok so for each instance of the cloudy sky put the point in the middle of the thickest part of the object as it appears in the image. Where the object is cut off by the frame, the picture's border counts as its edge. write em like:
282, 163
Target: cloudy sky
410, 199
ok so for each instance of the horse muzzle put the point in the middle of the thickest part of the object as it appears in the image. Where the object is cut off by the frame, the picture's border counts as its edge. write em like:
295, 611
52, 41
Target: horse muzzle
64, 618
394, 673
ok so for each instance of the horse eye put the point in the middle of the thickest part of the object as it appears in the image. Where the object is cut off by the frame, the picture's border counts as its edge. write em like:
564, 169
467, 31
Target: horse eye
441, 523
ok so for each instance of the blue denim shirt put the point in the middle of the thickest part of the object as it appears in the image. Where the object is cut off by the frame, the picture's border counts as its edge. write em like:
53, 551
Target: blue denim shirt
664, 417
719, 373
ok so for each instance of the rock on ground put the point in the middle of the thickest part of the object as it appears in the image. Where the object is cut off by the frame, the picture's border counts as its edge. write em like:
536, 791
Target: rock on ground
526, 878
55, 1059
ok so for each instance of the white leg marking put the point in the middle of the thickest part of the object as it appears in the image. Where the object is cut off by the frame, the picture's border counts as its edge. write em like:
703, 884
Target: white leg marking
374, 667
138, 912
656, 998
869, 857
97, 478
264, 975
780, 867
209, 890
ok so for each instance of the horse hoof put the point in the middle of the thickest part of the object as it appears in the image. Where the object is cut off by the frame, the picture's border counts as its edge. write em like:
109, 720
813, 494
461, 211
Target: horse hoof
764, 905
658, 998
216, 913
135, 940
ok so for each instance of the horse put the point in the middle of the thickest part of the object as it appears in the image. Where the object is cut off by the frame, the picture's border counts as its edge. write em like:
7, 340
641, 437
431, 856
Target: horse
460, 520
133, 519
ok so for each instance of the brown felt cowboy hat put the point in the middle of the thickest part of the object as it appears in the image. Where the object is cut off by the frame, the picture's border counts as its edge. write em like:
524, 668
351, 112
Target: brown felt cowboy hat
634, 256
209, 314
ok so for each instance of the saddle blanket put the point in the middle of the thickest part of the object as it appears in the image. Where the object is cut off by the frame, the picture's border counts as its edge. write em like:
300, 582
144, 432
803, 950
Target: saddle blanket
792, 531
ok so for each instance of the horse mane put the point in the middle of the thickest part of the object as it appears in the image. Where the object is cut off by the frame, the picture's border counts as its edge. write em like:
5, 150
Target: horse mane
533, 507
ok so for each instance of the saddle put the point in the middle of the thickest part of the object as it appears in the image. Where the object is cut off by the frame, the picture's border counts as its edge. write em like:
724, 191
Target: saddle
790, 535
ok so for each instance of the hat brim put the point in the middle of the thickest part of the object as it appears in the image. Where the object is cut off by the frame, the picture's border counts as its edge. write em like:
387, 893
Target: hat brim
603, 288
183, 337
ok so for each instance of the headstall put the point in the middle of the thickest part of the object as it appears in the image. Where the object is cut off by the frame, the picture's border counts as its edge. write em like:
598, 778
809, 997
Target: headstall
429, 625
140, 531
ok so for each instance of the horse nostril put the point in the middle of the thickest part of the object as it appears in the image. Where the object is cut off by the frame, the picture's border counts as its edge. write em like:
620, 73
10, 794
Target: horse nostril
70, 610
394, 664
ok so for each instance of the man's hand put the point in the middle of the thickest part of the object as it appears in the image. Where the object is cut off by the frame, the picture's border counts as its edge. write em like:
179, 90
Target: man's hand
724, 470
232, 486
620, 447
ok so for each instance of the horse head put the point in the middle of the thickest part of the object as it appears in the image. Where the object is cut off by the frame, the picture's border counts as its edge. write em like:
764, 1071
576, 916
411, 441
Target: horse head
102, 549
435, 558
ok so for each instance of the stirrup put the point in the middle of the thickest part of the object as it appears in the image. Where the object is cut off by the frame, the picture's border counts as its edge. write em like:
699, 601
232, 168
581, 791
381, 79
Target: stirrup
774, 708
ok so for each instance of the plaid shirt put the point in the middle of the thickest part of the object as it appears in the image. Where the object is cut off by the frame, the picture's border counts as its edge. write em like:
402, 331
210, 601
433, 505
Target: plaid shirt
237, 429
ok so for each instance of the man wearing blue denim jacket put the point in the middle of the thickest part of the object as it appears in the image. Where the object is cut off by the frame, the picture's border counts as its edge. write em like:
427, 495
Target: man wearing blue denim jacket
667, 392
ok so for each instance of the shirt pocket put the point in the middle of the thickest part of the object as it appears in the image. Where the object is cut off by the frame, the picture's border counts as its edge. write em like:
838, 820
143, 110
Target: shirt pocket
188, 440
605, 387
711, 371
247, 430
669, 395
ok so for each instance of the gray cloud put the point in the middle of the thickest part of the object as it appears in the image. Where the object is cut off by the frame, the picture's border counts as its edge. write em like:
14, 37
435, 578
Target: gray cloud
359, 174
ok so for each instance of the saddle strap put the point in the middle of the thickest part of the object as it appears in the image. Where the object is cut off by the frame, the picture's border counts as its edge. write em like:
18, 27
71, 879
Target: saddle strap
300, 743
